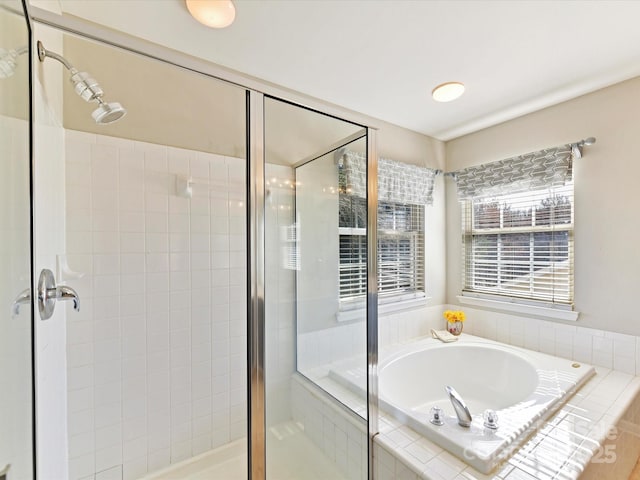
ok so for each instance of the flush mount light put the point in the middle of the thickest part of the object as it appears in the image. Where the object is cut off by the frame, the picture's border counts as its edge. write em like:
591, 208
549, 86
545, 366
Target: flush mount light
447, 91
212, 13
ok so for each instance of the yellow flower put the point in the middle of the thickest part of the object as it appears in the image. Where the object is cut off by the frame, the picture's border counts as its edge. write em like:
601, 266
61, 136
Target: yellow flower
454, 316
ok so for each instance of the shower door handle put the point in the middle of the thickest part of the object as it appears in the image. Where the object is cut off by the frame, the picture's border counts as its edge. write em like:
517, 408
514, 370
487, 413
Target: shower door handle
23, 298
49, 293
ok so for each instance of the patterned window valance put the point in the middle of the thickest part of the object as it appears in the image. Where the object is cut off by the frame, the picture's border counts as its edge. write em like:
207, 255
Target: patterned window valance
532, 171
397, 182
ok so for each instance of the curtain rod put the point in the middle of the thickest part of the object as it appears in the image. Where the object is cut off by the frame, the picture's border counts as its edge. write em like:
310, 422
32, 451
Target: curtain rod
576, 151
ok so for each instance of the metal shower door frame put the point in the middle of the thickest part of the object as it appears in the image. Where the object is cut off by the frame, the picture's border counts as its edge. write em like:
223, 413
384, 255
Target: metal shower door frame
255, 180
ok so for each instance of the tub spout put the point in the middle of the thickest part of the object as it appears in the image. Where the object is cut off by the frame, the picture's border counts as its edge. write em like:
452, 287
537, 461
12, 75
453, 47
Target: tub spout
462, 411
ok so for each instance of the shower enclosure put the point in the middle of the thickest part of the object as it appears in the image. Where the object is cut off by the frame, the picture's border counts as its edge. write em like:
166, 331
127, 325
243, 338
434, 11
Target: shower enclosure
190, 234
152, 237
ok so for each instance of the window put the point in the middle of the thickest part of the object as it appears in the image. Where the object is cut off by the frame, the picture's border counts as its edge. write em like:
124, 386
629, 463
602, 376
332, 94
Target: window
520, 246
400, 251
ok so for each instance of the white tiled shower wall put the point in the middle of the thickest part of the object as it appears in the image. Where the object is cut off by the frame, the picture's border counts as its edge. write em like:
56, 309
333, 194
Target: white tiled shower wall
279, 291
15, 330
321, 347
603, 348
157, 355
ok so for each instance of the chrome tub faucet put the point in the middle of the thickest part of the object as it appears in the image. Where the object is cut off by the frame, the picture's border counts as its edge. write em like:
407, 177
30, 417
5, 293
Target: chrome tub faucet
462, 411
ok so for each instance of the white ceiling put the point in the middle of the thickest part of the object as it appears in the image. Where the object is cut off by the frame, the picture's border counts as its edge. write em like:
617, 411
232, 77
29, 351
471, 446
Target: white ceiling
383, 57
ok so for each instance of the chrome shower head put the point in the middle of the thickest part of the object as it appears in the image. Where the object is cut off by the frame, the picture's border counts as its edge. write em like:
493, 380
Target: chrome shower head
108, 112
85, 86
88, 89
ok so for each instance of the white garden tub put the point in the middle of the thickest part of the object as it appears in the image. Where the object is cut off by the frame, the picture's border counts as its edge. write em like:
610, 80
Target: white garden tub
522, 386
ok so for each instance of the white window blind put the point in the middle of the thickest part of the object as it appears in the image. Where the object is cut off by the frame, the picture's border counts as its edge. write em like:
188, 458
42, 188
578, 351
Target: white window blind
518, 228
520, 245
400, 250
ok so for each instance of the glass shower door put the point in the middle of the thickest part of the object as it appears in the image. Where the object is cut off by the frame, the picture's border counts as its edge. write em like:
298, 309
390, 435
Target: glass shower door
316, 426
146, 219
16, 377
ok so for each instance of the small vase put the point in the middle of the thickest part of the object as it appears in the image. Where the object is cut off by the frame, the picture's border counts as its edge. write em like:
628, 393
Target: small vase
454, 328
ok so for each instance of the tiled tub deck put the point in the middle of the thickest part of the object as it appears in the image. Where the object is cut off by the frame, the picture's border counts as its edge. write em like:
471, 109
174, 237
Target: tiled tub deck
595, 434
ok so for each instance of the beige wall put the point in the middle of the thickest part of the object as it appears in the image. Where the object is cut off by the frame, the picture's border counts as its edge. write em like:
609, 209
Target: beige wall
166, 105
606, 192
14, 35
171, 106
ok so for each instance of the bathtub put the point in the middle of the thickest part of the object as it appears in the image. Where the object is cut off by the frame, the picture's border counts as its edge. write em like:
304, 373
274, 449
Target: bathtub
522, 386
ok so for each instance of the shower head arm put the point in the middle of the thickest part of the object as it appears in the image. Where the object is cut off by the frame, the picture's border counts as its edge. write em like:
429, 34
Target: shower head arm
87, 88
43, 53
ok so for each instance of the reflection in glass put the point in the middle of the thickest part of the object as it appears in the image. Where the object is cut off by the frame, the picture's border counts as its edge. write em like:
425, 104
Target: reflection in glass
313, 335
16, 407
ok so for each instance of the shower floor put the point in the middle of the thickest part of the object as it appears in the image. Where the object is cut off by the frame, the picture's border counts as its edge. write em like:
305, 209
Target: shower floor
290, 456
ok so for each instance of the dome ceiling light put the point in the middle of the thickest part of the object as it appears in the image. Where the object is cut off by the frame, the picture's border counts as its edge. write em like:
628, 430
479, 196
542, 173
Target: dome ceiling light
212, 13
447, 91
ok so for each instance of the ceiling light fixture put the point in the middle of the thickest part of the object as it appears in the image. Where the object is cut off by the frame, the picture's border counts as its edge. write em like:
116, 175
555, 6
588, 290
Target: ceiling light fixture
212, 13
447, 91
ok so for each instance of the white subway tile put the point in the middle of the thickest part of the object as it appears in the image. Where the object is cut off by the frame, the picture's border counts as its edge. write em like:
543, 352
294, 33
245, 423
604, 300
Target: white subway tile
108, 457
180, 319
114, 473
107, 373
179, 262
80, 399
623, 345
131, 222
109, 436
134, 469
79, 220
81, 444
158, 362
79, 354
104, 201
134, 341
131, 201
201, 444
159, 459
200, 206
134, 408
80, 377
199, 166
602, 351
108, 414
131, 175
78, 147
132, 242
623, 363
134, 428
105, 393
155, 156
80, 467
156, 202
179, 281
179, 160
218, 168
202, 352
179, 205
104, 222
199, 224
